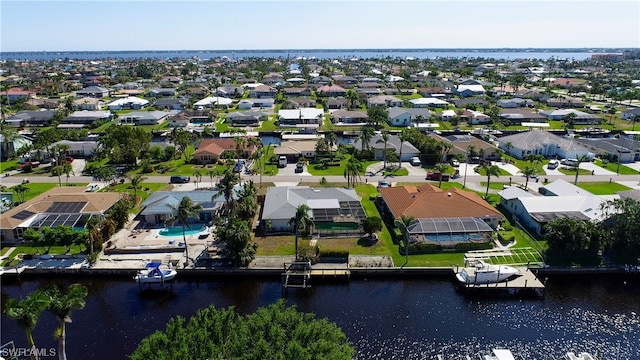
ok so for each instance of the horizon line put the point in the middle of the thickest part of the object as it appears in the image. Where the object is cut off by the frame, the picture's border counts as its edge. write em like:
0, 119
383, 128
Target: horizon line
327, 49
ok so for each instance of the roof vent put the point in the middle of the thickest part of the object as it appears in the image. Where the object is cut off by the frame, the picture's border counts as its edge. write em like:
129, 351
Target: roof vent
449, 194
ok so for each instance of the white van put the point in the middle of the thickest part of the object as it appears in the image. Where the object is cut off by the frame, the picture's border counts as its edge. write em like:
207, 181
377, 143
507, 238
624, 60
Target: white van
552, 164
415, 161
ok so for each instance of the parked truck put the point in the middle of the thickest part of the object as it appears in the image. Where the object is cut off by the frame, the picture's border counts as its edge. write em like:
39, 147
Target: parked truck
282, 161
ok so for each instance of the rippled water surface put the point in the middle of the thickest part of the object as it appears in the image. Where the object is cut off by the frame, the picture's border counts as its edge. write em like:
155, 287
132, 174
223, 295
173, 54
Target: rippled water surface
385, 319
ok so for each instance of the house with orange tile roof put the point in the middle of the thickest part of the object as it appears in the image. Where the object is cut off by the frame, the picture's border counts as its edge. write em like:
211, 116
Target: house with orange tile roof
211, 150
70, 206
445, 218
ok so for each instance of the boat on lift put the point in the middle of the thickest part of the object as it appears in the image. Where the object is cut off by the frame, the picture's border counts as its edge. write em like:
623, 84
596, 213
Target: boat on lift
484, 273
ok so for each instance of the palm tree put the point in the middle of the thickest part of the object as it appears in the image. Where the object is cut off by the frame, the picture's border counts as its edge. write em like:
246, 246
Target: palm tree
490, 170
403, 223
198, 175
67, 169
26, 313
136, 181
212, 173
301, 221
61, 305
226, 185
446, 147
385, 138
352, 171
332, 139
528, 172
183, 212
9, 135
365, 136
20, 190
580, 159
442, 168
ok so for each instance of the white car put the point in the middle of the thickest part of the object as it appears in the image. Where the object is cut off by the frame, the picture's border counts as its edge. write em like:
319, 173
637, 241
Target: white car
415, 161
455, 163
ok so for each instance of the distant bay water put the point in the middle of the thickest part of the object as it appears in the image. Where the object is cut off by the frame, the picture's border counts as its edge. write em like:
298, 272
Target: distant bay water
497, 54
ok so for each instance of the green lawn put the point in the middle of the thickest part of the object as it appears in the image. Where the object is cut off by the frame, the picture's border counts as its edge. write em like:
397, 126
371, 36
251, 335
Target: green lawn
482, 172
396, 172
103, 127
9, 165
145, 188
494, 185
622, 169
268, 125
318, 170
521, 164
572, 171
12, 259
603, 188
367, 194
36, 189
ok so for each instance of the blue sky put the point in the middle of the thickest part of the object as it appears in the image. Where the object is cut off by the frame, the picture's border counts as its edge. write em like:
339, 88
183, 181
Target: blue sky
305, 24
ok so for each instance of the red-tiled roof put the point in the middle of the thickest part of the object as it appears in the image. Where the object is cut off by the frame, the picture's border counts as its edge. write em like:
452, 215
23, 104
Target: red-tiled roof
215, 146
428, 201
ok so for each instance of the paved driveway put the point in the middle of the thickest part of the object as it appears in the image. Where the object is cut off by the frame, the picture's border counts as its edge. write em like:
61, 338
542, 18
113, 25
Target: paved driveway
290, 170
597, 170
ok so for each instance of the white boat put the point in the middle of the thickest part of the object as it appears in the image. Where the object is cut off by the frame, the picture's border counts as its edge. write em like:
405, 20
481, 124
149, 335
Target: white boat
582, 356
499, 354
155, 274
483, 273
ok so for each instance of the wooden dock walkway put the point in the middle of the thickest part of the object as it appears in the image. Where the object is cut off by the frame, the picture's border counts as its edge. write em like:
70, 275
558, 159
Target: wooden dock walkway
300, 274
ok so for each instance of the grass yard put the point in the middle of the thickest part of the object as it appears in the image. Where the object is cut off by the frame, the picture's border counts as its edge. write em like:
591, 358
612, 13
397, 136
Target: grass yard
9, 165
494, 185
36, 189
12, 259
396, 172
603, 188
572, 171
319, 170
143, 193
269, 125
622, 169
354, 246
521, 164
276, 245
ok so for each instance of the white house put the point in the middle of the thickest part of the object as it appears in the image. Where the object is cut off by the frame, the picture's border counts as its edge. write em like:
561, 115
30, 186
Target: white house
429, 102
470, 90
447, 115
129, 102
79, 148
215, 101
301, 117
544, 143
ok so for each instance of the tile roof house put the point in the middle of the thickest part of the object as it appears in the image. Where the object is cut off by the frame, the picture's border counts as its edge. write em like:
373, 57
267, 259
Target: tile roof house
143, 117
295, 149
579, 117
263, 91
210, 150
462, 144
630, 113
159, 206
386, 100
407, 116
85, 117
170, 104
88, 103
93, 91
331, 90
247, 118
518, 116
376, 144
623, 150
70, 206
441, 217
346, 117
15, 94
561, 200
129, 102
303, 117
30, 118
333, 210
544, 143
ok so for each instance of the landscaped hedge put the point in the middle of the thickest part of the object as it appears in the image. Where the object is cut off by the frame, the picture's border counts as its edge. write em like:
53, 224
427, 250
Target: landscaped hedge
505, 237
422, 248
473, 246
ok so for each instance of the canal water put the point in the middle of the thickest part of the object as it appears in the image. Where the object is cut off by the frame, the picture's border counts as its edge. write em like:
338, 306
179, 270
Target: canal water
384, 318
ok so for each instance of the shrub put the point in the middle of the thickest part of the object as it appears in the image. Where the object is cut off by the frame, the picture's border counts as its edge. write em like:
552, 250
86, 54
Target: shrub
473, 246
505, 237
334, 253
421, 248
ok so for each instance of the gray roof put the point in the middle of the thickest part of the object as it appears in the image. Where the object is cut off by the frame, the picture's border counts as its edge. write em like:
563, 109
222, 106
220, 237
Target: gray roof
448, 226
413, 112
536, 139
393, 143
612, 145
281, 202
44, 115
161, 202
144, 115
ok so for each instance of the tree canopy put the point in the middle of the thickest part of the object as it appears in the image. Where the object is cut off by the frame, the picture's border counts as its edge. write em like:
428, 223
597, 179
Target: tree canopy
274, 332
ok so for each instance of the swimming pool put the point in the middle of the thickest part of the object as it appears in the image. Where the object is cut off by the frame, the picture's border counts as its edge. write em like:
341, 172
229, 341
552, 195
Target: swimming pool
177, 230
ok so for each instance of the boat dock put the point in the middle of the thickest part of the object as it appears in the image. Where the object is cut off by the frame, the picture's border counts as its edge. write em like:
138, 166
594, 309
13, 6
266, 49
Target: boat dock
300, 274
526, 282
